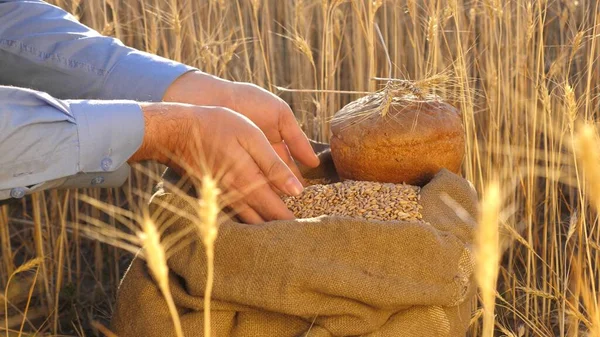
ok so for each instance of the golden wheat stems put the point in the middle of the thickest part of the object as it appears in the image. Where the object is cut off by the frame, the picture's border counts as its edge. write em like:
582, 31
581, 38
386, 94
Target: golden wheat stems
209, 229
38, 239
177, 30
103, 329
586, 150
488, 254
58, 279
155, 257
256, 19
588, 155
5, 247
370, 38
24, 267
591, 57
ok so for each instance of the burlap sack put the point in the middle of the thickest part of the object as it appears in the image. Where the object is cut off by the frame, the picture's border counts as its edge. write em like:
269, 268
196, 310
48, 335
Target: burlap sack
320, 277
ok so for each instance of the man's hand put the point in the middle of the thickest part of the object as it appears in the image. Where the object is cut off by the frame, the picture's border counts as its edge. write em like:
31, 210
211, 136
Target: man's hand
270, 113
192, 139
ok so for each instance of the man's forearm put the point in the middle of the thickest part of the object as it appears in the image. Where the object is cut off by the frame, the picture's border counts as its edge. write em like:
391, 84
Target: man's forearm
50, 143
44, 48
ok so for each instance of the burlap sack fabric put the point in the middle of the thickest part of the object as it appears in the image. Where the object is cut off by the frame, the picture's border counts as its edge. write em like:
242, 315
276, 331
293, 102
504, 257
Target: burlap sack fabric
319, 277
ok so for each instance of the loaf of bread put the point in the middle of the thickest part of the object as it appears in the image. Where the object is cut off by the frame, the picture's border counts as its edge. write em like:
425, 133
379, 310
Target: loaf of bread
404, 139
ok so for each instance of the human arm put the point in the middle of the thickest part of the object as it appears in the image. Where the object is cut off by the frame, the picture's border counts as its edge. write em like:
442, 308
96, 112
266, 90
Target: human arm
50, 143
42, 47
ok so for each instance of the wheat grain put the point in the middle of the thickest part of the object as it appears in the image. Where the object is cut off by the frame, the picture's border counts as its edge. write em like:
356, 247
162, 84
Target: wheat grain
358, 199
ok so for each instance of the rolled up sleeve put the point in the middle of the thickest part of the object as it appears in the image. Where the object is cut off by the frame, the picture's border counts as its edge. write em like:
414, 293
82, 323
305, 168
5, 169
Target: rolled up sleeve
42, 47
50, 143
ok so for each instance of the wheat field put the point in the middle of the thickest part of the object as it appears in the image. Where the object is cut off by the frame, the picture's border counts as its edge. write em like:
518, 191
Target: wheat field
524, 74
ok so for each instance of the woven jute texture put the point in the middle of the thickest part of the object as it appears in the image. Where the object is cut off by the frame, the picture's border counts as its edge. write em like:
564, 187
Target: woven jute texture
320, 277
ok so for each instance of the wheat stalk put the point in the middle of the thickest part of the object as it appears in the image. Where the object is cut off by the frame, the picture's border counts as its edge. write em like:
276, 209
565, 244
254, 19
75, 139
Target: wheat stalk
587, 152
157, 263
36, 262
488, 256
208, 227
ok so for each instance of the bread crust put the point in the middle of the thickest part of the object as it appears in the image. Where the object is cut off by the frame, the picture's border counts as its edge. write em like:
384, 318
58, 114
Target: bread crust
412, 141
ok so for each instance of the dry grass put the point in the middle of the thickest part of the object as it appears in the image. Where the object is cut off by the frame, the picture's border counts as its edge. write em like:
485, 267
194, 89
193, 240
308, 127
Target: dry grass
523, 73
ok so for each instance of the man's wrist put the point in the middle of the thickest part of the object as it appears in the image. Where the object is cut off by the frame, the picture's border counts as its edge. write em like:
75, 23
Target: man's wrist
164, 123
198, 88
150, 144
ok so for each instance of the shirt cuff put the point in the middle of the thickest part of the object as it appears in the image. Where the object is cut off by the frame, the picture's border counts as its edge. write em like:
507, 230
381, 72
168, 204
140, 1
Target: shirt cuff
113, 179
142, 77
110, 132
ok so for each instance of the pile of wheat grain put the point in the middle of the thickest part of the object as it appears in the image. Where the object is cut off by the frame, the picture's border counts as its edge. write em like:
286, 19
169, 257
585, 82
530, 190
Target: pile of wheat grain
358, 199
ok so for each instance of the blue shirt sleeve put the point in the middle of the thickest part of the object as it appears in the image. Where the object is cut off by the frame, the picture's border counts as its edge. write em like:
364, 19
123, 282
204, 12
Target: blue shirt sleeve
49, 143
42, 47
59, 132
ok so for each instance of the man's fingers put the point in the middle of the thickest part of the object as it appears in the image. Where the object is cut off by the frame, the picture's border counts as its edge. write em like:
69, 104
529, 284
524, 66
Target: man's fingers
284, 153
247, 214
269, 205
236, 201
294, 137
254, 190
269, 163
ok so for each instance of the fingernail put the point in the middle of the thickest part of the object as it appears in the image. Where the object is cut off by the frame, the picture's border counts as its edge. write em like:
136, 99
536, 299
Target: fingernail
294, 187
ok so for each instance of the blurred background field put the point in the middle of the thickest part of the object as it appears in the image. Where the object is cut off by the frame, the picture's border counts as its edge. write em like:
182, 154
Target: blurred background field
524, 74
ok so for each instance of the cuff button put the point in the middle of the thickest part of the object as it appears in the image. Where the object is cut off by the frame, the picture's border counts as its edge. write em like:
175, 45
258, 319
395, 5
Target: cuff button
97, 181
17, 192
106, 164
